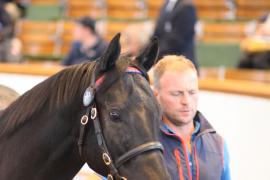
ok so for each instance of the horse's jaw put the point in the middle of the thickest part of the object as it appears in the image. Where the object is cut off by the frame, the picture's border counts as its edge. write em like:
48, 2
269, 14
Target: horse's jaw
148, 167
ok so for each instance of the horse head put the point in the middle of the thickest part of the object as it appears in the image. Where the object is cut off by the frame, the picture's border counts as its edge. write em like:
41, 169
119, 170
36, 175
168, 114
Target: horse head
129, 117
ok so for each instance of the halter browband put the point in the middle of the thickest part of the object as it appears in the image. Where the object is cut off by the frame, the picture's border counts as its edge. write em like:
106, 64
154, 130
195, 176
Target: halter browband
129, 70
92, 111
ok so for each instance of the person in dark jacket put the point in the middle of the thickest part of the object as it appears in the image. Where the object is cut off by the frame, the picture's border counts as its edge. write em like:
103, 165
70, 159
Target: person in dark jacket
257, 56
175, 29
193, 149
6, 33
255, 60
88, 45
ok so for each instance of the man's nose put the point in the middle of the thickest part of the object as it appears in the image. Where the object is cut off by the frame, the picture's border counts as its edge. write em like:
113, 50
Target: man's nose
185, 99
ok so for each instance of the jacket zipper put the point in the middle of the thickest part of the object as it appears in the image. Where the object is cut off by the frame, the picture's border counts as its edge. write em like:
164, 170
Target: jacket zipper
178, 160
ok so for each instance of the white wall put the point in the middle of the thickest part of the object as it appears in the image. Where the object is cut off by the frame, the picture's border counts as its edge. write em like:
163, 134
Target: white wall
242, 120
19, 82
245, 123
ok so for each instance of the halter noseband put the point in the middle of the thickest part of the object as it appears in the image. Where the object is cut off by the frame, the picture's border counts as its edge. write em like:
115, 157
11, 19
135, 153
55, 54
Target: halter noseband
91, 110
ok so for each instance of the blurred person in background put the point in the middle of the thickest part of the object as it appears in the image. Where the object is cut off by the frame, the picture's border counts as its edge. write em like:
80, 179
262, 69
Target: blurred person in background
7, 96
87, 45
135, 37
21, 5
256, 47
175, 29
10, 46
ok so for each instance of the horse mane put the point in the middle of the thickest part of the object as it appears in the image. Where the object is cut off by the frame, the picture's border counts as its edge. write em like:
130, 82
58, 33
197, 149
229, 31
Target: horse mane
52, 93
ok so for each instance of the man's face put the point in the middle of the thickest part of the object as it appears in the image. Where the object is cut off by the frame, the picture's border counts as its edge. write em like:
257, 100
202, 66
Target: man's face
177, 95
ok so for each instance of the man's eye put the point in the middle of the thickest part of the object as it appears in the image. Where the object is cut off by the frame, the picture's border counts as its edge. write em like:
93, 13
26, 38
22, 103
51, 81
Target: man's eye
192, 92
175, 93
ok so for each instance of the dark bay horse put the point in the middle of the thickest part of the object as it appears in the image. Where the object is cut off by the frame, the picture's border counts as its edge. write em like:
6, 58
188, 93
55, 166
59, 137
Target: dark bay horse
45, 135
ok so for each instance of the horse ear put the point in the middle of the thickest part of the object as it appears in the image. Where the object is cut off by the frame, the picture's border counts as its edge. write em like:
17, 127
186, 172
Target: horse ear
148, 56
108, 59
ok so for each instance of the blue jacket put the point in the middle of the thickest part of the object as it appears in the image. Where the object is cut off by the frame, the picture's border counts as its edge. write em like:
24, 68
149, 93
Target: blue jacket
208, 159
78, 56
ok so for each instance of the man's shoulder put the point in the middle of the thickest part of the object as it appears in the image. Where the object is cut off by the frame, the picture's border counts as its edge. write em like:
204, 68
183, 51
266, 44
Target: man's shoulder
206, 126
185, 8
76, 44
103, 44
186, 3
100, 46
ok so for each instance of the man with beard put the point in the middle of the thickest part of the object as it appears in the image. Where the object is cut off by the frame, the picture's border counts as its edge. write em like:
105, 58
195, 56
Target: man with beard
193, 149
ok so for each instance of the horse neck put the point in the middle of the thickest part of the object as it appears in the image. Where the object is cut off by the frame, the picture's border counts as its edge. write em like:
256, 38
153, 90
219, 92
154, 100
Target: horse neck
1, 112
42, 144
43, 148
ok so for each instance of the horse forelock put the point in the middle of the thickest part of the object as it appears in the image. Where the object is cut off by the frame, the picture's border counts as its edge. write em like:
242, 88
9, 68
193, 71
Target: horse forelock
112, 75
49, 95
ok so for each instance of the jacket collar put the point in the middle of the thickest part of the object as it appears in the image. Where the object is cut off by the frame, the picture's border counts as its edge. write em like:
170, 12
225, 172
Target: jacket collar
205, 125
200, 122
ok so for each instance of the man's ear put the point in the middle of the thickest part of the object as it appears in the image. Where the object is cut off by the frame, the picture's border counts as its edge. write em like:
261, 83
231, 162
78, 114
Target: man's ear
149, 54
155, 92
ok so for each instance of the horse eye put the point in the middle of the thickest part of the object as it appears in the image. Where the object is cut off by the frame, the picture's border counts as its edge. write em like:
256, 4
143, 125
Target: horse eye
114, 115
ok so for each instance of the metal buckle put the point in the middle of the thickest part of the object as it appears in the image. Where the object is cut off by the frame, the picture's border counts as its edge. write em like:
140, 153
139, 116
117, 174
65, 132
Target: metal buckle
106, 158
84, 120
109, 177
93, 113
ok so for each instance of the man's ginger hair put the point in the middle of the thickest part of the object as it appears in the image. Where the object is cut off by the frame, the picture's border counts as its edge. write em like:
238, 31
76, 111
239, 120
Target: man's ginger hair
170, 63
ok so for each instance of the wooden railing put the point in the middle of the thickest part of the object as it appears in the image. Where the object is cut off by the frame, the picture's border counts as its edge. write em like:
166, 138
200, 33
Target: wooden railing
217, 9
53, 38
241, 87
237, 81
236, 74
223, 31
244, 82
46, 69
